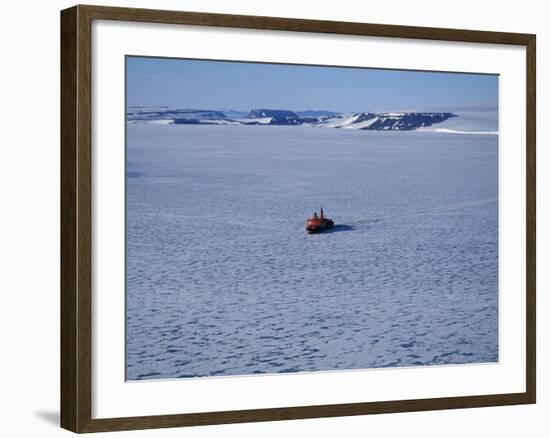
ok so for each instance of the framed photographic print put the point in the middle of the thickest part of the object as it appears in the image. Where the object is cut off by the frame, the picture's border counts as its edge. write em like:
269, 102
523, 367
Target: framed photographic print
268, 219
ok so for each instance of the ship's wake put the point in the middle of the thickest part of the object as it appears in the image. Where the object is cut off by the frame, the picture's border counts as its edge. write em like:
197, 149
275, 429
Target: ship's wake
428, 211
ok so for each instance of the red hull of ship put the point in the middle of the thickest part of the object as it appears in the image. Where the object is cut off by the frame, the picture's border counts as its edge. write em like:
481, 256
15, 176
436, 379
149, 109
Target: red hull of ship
318, 225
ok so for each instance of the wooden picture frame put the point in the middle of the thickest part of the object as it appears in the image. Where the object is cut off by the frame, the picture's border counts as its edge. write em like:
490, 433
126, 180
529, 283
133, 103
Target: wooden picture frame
76, 218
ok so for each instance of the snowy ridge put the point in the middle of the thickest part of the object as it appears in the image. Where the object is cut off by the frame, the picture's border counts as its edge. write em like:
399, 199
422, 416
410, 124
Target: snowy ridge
388, 121
385, 121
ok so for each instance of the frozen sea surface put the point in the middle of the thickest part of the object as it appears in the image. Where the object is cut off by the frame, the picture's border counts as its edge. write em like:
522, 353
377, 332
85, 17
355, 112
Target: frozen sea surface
223, 280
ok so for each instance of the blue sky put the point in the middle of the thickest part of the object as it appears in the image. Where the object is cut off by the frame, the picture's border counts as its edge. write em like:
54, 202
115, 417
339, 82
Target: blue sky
242, 86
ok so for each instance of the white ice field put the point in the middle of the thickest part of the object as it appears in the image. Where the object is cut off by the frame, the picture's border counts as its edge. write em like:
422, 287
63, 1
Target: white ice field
223, 280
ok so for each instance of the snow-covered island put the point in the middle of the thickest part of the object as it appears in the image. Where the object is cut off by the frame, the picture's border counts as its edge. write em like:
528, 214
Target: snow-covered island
391, 121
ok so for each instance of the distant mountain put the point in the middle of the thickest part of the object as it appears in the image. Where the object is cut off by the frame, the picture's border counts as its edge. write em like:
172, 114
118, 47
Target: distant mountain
259, 113
171, 116
286, 117
273, 117
403, 121
386, 121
